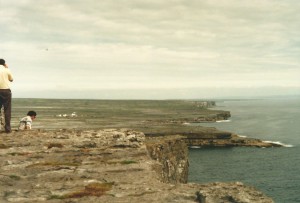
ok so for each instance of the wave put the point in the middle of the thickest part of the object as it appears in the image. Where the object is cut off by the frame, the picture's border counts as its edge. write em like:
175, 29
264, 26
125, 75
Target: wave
279, 143
223, 121
243, 136
194, 147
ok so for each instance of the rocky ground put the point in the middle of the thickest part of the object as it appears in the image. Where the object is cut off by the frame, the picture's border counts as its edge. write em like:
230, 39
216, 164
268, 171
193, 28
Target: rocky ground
105, 165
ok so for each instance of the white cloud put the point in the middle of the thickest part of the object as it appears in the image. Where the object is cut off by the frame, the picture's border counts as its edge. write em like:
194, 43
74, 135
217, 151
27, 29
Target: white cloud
151, 44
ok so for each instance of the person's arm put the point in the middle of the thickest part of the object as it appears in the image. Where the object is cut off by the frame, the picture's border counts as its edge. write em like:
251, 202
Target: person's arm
28, 125
10, 77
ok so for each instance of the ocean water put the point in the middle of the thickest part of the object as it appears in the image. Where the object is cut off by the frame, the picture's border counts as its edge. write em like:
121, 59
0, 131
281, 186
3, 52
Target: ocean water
274, 171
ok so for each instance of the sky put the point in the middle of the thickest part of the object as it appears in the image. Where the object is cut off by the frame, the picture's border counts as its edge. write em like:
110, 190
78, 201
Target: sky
151, 49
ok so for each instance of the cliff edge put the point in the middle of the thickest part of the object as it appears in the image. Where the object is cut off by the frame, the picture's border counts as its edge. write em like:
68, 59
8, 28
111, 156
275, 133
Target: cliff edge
105, 165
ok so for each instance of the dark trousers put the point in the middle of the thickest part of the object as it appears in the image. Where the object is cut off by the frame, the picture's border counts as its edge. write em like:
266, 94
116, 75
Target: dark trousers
5, 101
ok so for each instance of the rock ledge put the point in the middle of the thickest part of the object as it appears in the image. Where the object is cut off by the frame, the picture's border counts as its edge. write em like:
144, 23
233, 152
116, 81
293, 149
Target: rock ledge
105, 166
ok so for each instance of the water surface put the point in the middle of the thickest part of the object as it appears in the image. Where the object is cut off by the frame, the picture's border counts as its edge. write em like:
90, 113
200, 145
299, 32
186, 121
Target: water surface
275, 171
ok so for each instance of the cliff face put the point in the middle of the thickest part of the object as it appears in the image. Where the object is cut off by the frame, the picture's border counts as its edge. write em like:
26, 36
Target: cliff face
216, 138
172, 155
171, 152
105, 166
212, 117
210, 137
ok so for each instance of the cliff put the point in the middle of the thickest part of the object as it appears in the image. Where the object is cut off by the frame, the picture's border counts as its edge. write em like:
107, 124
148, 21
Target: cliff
211, 117
208, 137
105, 165
172, 155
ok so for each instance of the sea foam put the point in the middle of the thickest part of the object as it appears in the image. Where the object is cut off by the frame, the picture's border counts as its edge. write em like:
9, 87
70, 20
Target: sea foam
223, 121
194, 147
279, 143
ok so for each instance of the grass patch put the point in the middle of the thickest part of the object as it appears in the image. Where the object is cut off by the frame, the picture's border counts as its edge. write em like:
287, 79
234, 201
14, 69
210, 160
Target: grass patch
15, 177
37, 156
128, 162
124, 162
56, 197
8, 193
125, 170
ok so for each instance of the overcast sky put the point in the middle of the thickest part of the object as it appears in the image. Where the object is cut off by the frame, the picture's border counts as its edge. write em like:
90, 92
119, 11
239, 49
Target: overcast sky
151, 49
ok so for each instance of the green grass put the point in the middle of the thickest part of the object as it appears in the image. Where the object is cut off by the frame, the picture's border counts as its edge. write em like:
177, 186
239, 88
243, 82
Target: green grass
15, 177
128, 162
97, 114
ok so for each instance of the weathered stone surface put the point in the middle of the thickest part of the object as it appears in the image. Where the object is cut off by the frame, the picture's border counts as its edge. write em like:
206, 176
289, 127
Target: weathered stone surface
171, 153
212, 117
104, 166
210, 137
232, 141
229, 192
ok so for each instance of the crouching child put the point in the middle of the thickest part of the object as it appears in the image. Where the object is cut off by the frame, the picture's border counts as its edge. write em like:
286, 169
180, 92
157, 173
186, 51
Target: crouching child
26, 122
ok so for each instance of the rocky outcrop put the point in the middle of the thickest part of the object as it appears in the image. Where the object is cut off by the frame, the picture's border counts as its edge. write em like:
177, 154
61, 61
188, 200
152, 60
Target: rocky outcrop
226, 139
235, 192
207, 117
172, 155
212, 117
205, 104
104, 166
211, 137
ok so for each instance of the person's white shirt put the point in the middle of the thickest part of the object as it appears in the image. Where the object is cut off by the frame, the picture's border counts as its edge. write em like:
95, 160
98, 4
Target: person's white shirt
5, 77
25, 123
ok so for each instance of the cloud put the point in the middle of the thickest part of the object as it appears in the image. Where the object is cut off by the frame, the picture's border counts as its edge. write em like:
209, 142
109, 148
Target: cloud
151, 44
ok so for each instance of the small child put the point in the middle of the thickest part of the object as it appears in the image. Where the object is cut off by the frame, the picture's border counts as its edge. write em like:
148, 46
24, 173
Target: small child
25, 123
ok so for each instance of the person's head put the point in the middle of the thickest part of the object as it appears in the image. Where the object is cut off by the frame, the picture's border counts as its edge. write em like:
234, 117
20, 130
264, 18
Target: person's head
2, 62
32, 114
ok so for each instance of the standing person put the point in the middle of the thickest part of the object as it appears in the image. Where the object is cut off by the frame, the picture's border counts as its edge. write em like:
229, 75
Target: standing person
5, 93
26, 122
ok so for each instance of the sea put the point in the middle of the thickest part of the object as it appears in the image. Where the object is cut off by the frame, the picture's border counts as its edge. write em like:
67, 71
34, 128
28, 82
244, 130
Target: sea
274, 171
